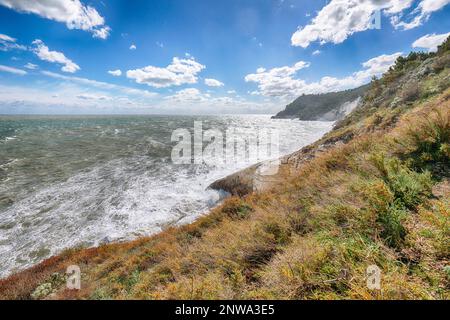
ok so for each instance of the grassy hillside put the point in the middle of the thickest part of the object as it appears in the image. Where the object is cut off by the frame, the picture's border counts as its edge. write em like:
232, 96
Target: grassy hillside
377, 194
316, 106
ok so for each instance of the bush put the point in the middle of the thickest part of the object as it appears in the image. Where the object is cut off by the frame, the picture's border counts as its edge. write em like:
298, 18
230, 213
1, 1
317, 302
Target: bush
236, 208
409, 188
393, 231
444, 47
428, 144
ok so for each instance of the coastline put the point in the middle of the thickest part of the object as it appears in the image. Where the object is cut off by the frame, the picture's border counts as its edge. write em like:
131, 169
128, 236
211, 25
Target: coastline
364, 194
229, 224
240, 184
183, 220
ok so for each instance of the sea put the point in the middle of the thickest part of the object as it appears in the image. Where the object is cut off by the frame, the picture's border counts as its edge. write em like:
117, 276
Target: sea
81, 181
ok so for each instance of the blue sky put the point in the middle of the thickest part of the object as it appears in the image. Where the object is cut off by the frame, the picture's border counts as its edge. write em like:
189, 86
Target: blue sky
200, 56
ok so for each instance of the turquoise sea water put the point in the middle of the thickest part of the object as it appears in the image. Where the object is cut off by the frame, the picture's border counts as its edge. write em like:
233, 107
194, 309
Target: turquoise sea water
82, 180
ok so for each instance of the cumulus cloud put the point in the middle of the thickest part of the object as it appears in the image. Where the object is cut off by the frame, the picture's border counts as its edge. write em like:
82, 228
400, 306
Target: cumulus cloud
279, 82
193, 101
115, 73
133, 47
102, 33
316, 53
44, 53
339, 19
179, 72
73, 13
188, 95
430, 41
420, 15
213, 83
8, 43
12, 70
66, 97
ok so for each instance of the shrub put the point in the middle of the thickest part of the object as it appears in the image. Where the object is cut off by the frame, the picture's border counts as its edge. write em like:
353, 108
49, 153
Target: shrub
428, 144
393, 230
444, 47
409, 188
236, 208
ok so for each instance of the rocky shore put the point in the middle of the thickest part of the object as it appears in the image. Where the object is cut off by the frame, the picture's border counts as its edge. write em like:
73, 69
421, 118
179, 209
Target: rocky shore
264, 175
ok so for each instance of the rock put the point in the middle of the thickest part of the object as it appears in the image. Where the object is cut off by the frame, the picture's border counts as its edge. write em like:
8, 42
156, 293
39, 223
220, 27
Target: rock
264, 175
239, 183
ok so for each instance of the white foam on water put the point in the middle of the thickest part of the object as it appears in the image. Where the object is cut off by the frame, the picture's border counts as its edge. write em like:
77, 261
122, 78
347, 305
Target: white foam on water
6, 139
120, 200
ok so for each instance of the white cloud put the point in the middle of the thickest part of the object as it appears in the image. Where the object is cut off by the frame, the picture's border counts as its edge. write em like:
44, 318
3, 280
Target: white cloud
316, 53
430, 41
193, 101
93, 96
180, 71
43, 53
63, 97
79, 96
188, 95
115, 73
231, 91
422, 14
339, 19
31, 66
279, 82
213, 83
12, 70
102, 33
8, 43
101, 85
429, 6
133, 47
5, 37
73, 13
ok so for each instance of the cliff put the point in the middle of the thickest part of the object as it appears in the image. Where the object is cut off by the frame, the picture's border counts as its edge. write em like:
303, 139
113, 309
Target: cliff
327, 107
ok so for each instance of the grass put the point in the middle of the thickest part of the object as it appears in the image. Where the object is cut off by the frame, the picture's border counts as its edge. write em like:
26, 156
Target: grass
379, 195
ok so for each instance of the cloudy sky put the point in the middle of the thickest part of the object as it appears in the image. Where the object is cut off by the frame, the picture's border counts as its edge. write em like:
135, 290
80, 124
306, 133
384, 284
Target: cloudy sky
201, 56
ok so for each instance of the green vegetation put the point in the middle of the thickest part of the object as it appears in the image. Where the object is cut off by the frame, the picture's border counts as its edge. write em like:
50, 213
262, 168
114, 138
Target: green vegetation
376, 193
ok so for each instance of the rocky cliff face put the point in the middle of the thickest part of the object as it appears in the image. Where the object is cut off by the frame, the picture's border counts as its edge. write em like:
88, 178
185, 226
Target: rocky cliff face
326, 107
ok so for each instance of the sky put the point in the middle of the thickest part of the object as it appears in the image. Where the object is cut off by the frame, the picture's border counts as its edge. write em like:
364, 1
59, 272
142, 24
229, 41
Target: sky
201, 56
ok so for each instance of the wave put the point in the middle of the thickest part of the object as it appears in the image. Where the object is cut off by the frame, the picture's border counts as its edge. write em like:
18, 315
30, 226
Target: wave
119, 200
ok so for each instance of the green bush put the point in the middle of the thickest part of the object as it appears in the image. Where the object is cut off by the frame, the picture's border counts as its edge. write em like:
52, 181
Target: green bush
236, 208
393, 231
429, 145
409, 188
